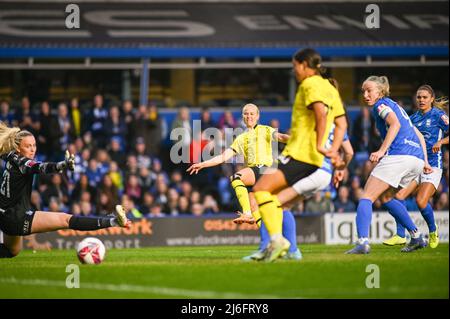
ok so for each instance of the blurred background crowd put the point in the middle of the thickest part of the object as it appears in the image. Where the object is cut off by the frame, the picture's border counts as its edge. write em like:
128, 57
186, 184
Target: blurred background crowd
122, 156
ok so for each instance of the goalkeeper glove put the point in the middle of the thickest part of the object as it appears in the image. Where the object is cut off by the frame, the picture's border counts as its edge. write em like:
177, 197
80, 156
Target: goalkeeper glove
68, 163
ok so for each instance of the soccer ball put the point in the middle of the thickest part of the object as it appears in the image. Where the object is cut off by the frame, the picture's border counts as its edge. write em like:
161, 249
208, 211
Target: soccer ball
91, 251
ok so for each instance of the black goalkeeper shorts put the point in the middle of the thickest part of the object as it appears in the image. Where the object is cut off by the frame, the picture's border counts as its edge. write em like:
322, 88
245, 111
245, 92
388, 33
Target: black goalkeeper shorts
16, 221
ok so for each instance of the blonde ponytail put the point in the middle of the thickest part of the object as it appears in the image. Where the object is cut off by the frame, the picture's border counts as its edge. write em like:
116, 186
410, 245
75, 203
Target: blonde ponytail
441, 103
382, 83
10, 138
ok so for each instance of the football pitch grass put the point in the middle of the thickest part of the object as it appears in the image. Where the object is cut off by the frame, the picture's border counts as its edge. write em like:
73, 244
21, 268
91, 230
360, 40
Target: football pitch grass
218, 272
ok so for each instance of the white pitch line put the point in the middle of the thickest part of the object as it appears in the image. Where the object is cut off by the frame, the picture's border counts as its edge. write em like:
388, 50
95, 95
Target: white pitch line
167, 291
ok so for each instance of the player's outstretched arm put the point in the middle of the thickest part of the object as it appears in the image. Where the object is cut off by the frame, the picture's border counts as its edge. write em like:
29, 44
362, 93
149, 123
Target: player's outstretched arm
30, 166
280, 137
216, 160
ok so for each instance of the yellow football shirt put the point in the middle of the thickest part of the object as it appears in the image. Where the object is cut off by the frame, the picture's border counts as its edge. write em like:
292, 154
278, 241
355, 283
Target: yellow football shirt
255, 145
302, 142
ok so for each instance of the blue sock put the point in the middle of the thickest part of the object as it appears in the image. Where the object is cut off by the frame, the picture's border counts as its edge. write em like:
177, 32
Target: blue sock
398, 222
265, 237
398, 210
289, 230
363, 217
428, 215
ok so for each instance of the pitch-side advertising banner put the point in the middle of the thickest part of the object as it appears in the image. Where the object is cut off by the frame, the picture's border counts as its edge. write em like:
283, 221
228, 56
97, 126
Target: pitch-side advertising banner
340, 228
181, 231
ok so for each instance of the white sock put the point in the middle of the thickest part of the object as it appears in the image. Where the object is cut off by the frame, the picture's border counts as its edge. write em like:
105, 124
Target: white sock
276, 237
362, 240
415, 234
114, 222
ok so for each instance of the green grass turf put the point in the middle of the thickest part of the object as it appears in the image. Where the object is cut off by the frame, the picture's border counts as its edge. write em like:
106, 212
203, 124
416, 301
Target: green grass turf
218, 272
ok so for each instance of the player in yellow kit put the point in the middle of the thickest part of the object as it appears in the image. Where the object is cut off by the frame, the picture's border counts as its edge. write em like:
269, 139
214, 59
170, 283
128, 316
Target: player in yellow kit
317, 105
255, 145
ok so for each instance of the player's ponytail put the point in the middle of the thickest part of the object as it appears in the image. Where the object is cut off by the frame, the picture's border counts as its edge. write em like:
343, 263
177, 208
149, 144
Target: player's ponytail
382, 83
10, 138
440, 102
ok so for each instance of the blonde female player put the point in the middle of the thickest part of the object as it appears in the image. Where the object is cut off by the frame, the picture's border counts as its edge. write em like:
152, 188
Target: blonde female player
17, 219
255, 145
402, 157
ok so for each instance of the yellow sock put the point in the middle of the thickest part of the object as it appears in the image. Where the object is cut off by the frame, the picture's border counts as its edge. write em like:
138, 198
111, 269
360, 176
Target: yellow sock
257, 216
242, 195
271, 212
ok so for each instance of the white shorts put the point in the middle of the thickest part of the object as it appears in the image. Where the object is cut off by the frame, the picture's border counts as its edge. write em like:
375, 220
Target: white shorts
433, 178
398, 170
313, 183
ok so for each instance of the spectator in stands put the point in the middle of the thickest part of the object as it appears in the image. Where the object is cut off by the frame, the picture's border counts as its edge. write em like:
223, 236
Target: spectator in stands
227, 120
186, 189
93, 172
156, 211
115, 126
103, 161
319, 204
147, 202
6, 115
82, 186
76, 119
75, 209
175, 180
97, 119
157, 170
104, 205
86, 209
442, 203
25, 117
133, 211
157, 131
183, 121
145, 178
206, 119
116, 176
195, 197
210, 205
197, 209
365, 137
64, 128
133, 190
49, 133
343, 204
36, 201
116, 152
132, 167
108, 188
140, 151
183, 205
141, 126
56, 189
127, 115
171, 207
55, 205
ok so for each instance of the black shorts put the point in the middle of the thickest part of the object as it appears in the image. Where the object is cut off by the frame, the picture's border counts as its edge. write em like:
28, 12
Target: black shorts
258, 171
294, 170
16, 221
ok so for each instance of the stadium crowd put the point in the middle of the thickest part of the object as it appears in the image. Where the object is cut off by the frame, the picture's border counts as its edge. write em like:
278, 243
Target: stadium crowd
122, 157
